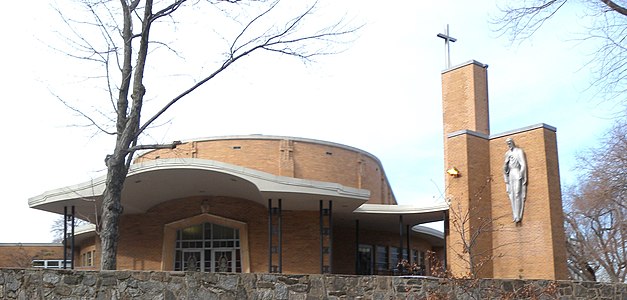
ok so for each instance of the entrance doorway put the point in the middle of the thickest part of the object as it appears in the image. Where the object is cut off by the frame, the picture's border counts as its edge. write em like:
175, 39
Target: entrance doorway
208, 247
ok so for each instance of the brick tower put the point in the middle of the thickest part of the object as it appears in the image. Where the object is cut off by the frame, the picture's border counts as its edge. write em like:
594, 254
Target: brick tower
482, 239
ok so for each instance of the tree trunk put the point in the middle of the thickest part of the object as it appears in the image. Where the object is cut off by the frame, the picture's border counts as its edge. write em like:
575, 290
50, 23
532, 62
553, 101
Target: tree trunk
111, 210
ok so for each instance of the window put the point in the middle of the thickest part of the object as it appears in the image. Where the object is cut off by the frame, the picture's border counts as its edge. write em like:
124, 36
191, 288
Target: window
394, 256
88, 258
49, 263
382, 258
418, 258
364, 260
208, 247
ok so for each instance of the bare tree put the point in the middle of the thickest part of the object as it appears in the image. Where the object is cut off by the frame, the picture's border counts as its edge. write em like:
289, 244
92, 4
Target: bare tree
126, 40
471, 227
521, 19
22, 258
597, 210
57, 228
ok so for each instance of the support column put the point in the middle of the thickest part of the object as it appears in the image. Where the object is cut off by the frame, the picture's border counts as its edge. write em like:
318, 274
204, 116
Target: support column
64, 236
400, 231
407, 231
357, 261
446, 237
68, 218
326, 238
72, 239
275, 213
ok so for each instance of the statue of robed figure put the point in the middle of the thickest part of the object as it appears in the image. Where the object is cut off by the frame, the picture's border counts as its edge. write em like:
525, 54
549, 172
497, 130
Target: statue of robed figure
515, 174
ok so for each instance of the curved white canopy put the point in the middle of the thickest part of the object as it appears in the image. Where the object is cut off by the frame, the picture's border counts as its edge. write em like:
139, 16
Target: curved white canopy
153, 182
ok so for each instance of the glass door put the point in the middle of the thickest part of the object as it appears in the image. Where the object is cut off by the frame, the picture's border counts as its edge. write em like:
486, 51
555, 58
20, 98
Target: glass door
223, 260
192, 260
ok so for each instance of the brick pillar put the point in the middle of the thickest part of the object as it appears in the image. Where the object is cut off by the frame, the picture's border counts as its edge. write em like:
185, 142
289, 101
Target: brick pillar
466, 148
465, 98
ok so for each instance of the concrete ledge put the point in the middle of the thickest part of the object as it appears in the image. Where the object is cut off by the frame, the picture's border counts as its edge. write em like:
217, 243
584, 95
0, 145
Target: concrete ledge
502, 134
523, 129
469, 132
470, 62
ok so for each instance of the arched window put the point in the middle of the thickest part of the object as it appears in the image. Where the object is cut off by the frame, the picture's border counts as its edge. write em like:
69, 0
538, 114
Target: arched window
208, 247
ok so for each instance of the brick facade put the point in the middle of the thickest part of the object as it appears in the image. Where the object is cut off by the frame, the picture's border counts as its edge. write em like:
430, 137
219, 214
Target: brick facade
141, 244
532, 248
298, 158
147, 240
22, 255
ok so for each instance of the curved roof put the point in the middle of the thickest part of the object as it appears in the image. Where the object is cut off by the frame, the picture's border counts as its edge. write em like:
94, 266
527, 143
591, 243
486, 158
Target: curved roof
156, 181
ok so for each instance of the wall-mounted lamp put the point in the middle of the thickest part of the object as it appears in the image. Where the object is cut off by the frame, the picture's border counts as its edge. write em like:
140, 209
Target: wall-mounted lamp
453, 172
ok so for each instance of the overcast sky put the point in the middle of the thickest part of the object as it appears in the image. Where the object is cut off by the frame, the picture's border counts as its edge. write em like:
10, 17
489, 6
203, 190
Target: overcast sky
382, 95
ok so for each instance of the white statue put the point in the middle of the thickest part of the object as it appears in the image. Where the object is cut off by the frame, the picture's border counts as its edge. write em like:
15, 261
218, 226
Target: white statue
515, 173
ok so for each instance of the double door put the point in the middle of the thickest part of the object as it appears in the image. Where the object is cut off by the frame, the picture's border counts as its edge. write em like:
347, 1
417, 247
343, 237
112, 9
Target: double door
209, 260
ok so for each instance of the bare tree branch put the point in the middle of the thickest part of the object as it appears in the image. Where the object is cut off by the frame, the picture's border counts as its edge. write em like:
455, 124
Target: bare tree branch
522, 19
596, 212
124, 28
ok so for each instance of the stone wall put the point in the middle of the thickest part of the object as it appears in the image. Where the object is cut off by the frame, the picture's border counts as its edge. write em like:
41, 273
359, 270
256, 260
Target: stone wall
68, 284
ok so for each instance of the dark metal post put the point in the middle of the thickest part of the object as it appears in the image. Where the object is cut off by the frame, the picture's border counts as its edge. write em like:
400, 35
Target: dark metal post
280, 233
400, 229
357, 261
64, 235
269, 235
326, 231
407, 231
330, 236
321, 241
446, 235
72, 243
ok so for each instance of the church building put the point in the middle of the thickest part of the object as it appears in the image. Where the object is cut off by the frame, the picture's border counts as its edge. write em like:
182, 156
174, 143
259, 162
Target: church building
274, 204
256, 204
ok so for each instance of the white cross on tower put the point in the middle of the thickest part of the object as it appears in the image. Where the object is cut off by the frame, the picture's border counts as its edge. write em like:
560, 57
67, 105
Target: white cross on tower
447, 48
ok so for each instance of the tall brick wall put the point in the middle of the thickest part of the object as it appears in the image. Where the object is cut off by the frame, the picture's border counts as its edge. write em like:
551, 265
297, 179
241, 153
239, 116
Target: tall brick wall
298, 158
533, 248
530, 249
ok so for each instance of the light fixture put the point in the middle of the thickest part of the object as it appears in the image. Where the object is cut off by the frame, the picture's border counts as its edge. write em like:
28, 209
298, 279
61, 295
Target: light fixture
453, 172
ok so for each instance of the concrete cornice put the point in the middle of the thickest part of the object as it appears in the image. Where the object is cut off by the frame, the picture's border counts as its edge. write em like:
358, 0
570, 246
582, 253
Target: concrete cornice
469, 132
470, 62
502, 134
523, 129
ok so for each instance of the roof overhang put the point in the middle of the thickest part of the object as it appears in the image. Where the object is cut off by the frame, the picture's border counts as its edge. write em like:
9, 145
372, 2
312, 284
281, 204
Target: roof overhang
153, 182
410, 214
381, 217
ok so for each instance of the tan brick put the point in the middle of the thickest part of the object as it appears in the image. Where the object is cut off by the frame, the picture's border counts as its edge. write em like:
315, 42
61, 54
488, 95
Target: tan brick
532, 249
